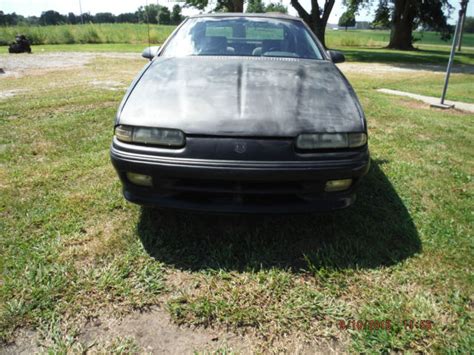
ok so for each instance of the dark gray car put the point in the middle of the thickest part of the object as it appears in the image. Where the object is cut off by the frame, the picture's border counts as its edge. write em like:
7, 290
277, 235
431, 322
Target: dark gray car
241, 113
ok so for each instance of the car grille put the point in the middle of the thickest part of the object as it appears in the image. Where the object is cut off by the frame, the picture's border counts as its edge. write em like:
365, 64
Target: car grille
240, 187
240, 191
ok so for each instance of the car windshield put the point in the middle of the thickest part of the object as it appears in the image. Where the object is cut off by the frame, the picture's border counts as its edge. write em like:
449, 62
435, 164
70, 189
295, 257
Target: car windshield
242, 36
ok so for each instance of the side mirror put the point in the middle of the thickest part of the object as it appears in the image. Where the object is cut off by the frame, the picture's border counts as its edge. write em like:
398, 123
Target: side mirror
150, 52
337, 57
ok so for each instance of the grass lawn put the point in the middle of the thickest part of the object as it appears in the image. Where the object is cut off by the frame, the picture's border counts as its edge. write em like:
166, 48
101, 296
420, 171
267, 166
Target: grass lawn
425, 55
420, 82
360, 38
73, 250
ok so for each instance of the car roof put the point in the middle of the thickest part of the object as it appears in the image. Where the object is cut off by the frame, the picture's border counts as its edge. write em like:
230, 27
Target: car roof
276, 15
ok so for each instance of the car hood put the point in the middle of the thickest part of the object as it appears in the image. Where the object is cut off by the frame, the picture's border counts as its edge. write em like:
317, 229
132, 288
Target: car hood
243, 96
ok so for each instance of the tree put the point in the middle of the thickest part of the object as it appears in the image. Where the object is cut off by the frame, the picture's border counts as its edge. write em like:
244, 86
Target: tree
104, 17
32, 20
382, 15
164, 16
276, 7
317, 18
469, 25
148, 14
408, 15
87, 17
219, 5
129, 17
8, 19
51, 17
255, 6
12, 19
176, 16
71, 18
347, 19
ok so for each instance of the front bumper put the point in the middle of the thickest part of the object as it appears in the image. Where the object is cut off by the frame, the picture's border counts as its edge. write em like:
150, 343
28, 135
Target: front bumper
233, 186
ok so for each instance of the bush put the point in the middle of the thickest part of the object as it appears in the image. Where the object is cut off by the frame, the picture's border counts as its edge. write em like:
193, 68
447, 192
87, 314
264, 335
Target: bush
91, 33
350, 42
67, 36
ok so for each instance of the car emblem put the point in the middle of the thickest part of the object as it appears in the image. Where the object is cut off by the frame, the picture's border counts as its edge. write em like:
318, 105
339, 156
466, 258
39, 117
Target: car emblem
240, 147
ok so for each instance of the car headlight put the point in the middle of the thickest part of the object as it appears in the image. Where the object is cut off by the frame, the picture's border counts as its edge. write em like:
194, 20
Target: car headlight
330, 140
150, 135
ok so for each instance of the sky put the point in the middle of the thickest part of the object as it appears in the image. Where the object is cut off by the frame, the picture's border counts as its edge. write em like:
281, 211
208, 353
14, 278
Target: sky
35, 7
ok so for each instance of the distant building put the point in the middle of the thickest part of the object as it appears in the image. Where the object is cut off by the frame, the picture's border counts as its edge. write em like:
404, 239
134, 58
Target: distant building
360, 25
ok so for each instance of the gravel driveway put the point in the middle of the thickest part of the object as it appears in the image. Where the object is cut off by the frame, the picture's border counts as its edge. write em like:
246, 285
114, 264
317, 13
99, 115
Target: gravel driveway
22, 64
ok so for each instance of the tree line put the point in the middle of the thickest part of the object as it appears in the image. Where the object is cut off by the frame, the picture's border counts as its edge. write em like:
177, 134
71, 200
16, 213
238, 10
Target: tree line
152, 13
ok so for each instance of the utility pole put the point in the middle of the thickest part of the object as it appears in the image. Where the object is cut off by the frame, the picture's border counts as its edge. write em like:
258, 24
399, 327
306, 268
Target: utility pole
462, 26
457, 33
80, 9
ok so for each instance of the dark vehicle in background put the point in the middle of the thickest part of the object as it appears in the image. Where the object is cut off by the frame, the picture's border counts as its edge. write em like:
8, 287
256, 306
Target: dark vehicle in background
243, 114
21, 45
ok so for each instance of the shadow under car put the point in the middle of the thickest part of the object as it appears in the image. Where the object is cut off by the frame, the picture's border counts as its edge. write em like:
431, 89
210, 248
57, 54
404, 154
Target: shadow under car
376, 231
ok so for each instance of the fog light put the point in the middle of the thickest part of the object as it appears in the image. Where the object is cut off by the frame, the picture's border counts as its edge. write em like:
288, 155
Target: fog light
140, 179
338, 185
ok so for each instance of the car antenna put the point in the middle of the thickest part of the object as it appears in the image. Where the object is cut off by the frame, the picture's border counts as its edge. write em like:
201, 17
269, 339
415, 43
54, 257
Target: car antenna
147, 24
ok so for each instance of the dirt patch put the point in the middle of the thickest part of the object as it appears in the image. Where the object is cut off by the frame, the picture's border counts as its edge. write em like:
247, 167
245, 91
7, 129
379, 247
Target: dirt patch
18, 65
25, 343
418, 105
429, 100
5, 94
108, 85
152, 332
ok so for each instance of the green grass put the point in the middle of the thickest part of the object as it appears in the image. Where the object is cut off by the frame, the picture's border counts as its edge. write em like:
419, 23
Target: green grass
57, 262
409, 77
72, 248
138, 33
371, 38
460, 85
425, 55
89, 33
